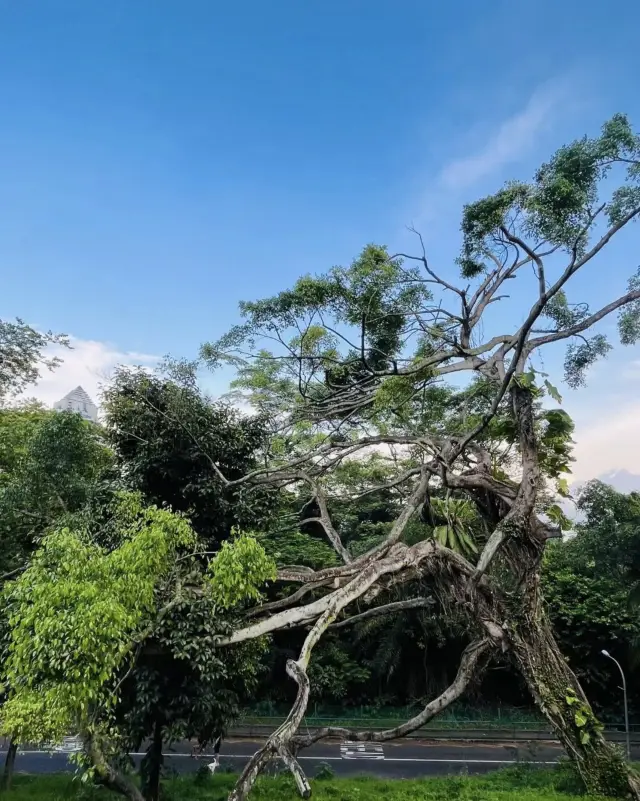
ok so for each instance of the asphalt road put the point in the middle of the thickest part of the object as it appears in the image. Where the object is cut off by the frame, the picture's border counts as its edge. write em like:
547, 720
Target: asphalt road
399, 760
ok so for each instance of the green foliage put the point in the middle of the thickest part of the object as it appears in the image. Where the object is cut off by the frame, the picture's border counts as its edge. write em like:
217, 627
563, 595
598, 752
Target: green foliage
239, 570
588, 581
483, 218
52, 464
167, 437
266, 380
583, 717
18, 425
459, 517
557, 206
562, 314
555, 443
76, 613
369, 288
335, 675
22, 356
287, 547
181, 682
556, 210
581, 356
557, 516
324, 772
629, 315
374, 295
553, 391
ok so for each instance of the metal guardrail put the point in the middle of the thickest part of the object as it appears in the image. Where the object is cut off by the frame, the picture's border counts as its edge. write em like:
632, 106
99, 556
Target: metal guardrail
390, 721
478, 734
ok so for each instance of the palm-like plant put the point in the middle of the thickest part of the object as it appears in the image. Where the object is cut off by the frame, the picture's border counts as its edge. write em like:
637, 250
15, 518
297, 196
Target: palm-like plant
453, 524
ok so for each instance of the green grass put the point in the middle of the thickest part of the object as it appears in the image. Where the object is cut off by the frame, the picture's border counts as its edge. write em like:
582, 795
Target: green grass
521, 782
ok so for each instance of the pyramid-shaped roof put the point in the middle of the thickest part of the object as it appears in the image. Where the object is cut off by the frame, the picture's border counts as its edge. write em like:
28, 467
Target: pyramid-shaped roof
79, 395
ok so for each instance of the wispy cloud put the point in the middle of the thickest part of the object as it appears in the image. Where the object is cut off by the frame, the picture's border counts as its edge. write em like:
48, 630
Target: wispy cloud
512, 139
490, 152
88, 363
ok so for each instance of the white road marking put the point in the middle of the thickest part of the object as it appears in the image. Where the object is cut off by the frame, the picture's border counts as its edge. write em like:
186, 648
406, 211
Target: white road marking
360, 750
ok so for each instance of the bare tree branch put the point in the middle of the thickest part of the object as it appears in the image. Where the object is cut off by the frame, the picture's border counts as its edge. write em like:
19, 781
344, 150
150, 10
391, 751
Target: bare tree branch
387, 609
471, 663
583, 325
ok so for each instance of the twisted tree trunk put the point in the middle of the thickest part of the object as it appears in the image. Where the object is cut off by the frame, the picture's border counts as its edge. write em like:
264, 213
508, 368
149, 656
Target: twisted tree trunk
552, 683
9, 764
151, 766
560, 698
106, 774
510, 616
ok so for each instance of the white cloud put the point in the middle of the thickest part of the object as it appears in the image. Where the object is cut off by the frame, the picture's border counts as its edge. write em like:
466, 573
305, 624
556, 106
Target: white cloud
88, 363
607, 439
510, 142
632, 371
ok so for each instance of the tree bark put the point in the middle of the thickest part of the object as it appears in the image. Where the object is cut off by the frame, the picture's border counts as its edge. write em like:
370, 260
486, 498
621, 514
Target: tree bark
560, 698
107, 775
551, 681
9, 764
151, 767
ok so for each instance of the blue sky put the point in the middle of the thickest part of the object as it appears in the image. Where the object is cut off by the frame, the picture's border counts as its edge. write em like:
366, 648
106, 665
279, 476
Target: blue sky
161, 161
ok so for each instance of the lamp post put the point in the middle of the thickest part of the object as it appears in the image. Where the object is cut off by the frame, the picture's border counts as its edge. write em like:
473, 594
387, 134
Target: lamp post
626, 708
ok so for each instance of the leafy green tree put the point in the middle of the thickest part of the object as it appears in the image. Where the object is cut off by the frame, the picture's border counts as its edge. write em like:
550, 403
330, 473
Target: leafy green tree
590, 582
354, 360
168, 439
22, 356
180, 687
170, 442
85, 618
76, 614
52, 464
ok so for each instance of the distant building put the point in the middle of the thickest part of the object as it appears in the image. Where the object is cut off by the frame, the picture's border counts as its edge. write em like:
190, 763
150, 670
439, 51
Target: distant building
78, 401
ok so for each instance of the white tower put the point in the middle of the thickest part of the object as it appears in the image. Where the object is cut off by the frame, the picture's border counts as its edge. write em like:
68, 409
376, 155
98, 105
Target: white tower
78, 401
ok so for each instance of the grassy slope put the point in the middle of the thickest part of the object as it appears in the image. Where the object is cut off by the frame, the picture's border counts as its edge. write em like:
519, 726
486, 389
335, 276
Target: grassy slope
525, 784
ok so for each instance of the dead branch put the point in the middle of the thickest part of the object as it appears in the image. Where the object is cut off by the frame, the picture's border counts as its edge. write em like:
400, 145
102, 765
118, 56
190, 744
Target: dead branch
387, 609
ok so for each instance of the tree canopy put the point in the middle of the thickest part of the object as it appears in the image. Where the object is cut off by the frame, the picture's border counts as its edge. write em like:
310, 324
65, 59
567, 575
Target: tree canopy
168, 439
51, 465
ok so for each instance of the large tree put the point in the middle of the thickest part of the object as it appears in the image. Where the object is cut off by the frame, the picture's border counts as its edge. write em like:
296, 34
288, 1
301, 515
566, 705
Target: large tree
58, 476
353, 361
52, 464
95, 628
22, 356
165, 435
